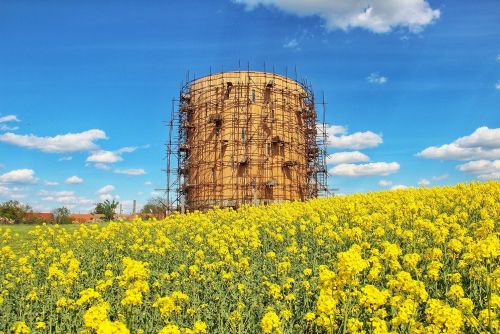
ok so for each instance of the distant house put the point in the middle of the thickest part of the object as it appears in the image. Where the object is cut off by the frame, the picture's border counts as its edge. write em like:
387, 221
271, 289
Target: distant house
78, 218
81, 218
125, 216
45, 216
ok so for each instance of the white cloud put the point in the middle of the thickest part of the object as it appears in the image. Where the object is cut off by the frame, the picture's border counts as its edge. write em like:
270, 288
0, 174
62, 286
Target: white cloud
346, 157
12, 193
106, 189
131, 171
385, 183
101, 157
4, 127
292, 44
379, 16
497, 85
333, 130
74, 180
104, 197
478, 166
9, 118
374, 168
424, 182
455, 152
73, 200
129, 149
70, 142
6, 119
483, 143
104, 157
482, 137
102, 166
67, 198
50, 183
355, 141
498, 57
490, 176
440, 177
4, 191
147, 183
484, 169
19, 176
399, 186
18, 196
67, 158
376, 78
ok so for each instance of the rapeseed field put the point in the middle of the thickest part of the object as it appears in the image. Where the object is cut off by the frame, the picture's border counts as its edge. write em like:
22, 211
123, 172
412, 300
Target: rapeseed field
406, 261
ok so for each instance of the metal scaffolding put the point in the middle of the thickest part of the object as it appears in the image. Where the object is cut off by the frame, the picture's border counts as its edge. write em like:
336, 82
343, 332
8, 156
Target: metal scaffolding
244, 137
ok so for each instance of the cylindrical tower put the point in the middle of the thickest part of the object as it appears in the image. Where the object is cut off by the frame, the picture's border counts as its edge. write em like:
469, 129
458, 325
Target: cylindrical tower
246, 137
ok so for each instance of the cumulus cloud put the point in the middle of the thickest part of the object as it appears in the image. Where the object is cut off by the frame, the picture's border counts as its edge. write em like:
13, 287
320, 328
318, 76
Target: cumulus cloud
70, 142
399, 186
4, 127
50, 183
385, 183
346, 157
483, 137
379, 16
102, 166
129, 149
424, 182
12, 192
67, 158
355, 141
333, 130
369, 169
440, 177
72, 200
9, 118
455, 152
74, 180
106, 197
483, 143
376, 78
131, 171
292, 44
6, 119
104, 157
19, 176
4, 191
106, 189
484, 169
67, 198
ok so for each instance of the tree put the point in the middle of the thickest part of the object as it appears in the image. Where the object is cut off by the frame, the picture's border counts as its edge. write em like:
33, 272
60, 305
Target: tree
61, 216
155, 206
14, 210
106, 208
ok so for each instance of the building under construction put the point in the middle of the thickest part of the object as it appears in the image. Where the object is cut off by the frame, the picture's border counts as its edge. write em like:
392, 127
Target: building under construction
244, 137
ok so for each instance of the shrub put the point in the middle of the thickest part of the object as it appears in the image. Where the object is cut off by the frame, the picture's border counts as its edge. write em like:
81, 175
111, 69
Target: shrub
14, 210
61, 216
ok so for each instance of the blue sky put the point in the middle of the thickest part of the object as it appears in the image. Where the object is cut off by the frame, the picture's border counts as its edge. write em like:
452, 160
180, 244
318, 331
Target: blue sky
404, 81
